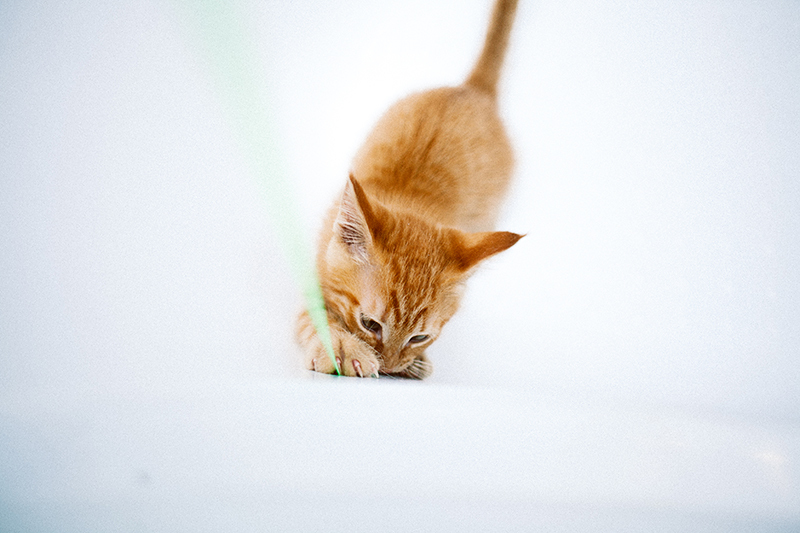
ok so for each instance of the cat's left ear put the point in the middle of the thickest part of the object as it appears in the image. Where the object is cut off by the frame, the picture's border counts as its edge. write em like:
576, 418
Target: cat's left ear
479, 246
356, 223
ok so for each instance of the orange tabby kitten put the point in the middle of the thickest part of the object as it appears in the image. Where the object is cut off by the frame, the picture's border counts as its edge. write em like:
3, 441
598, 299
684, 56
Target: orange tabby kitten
414, 221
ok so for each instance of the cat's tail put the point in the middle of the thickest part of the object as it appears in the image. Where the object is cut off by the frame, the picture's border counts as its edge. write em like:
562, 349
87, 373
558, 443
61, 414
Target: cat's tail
486, 72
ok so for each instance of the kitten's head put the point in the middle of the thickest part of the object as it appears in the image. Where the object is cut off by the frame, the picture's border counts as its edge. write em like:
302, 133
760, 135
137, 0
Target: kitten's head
394, 280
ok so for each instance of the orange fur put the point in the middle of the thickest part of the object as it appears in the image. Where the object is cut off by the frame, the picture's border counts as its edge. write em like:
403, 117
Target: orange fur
415, 218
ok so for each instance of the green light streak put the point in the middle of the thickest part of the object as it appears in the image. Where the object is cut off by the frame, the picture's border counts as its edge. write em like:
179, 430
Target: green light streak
233, 65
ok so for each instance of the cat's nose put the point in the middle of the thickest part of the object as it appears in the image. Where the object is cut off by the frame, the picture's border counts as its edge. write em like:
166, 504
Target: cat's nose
391, 365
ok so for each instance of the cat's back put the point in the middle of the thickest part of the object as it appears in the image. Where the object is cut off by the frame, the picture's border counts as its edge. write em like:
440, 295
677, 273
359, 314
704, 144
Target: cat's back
442, 154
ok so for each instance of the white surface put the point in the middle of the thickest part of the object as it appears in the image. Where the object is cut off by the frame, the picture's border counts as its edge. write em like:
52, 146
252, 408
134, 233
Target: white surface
342, 455
632, 364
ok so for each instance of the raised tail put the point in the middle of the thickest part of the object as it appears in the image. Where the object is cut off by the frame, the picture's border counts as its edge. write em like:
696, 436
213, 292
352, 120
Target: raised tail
486, 72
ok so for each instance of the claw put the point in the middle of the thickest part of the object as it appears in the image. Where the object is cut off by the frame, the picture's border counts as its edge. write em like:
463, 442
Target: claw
357, 368
374, 372
338, 363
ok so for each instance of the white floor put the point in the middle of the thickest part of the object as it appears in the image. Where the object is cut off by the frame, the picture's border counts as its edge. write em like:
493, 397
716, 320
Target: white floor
631, 365
343, 455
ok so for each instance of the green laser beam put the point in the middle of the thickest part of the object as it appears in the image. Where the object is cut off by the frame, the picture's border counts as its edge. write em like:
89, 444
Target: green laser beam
233, 65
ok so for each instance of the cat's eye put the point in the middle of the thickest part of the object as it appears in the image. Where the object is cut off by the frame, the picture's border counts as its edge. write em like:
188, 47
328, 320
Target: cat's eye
417, 339
372, 326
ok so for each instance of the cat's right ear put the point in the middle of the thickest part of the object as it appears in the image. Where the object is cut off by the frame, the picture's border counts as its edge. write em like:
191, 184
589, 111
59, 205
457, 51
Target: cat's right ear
352, 226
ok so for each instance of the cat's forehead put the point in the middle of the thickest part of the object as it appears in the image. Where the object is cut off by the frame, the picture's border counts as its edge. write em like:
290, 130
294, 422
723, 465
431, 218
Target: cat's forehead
410, 273
410, 290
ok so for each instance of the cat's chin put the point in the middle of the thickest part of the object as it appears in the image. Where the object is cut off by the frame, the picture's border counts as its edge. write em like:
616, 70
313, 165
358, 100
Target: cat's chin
419, 368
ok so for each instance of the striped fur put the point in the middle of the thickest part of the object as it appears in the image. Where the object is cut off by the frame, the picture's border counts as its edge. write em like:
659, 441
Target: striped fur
415, 219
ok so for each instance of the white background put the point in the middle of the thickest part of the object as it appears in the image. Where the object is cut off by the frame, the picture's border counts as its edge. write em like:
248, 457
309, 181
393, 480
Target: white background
658, 182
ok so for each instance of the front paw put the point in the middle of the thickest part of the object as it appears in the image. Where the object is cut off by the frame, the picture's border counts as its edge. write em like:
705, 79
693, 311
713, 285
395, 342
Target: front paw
353, 356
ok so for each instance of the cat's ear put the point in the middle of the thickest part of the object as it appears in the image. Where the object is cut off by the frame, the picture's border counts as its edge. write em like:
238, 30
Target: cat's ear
479, 246
356, 223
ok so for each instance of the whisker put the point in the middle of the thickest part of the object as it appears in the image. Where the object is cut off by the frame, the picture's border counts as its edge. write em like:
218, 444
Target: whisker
418, 369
